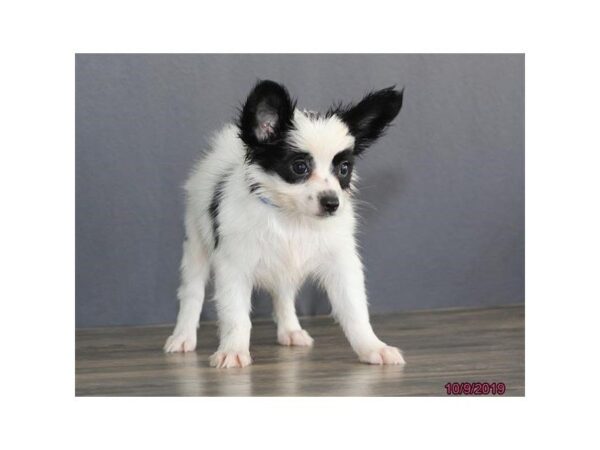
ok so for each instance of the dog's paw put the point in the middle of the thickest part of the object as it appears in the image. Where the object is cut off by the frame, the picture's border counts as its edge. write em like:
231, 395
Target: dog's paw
228, 360
382, 355
299, 338
181, 342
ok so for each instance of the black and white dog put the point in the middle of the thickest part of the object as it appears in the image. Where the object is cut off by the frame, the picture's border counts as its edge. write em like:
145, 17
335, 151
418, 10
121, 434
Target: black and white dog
269, 205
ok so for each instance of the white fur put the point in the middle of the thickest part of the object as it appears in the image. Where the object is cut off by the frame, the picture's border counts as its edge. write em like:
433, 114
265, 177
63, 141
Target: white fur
276, 248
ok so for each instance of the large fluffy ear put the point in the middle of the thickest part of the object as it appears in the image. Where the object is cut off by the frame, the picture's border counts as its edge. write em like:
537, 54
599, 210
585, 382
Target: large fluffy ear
368, 119
267, 114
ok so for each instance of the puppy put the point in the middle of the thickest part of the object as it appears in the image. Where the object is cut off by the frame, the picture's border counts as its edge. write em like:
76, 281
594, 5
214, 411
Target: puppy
271, 204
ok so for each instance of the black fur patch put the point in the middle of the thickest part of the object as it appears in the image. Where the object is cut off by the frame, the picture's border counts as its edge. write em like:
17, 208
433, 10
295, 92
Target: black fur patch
267, 117
254, 187
343, 156
280, 162
369, 119
213, 209
266, 142
266, 100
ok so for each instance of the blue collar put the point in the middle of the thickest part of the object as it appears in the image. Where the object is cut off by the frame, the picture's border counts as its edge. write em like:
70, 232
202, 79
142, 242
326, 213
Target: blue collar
266, 201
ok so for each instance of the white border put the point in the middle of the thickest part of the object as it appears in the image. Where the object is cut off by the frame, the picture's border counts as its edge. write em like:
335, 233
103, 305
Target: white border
39, 40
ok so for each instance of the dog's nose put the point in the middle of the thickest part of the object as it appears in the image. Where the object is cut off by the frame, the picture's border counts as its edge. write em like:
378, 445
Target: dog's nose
329, 202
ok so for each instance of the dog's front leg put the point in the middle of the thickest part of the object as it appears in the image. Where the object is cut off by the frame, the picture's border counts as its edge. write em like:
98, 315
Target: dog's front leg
344, 281
289, 331
233, 290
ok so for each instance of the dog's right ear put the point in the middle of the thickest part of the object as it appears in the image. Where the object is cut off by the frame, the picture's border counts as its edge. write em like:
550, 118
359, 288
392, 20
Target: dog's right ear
267, 114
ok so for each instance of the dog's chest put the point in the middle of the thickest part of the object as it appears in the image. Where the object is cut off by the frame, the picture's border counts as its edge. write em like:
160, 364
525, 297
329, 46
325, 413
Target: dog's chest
288, 253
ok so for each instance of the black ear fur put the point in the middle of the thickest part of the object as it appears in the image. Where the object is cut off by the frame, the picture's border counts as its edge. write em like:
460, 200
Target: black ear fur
266, 115
369, 119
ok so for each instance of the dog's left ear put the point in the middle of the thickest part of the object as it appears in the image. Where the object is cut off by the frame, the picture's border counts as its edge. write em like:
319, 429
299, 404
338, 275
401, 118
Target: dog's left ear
368, 119
266, 115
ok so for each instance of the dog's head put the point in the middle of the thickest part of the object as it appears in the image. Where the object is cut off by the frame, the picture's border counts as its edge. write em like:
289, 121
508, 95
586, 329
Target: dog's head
303, 161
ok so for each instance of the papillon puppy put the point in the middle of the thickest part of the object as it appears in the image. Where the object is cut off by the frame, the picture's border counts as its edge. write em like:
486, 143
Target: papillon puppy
269, 205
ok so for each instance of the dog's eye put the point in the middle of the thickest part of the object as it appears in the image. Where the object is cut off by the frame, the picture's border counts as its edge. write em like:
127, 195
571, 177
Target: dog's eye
300, 167
344, 168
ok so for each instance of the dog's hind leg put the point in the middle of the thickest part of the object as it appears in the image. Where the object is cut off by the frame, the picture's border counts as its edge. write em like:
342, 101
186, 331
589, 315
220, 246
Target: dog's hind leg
194, 274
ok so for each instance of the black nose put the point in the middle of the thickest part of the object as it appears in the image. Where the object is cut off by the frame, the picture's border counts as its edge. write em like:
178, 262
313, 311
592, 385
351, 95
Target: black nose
329, 202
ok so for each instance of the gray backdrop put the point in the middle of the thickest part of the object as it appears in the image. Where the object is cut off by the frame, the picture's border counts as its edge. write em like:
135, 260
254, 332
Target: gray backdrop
444, 220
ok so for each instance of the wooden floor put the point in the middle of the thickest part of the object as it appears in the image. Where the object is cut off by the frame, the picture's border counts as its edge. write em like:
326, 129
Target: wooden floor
440, 346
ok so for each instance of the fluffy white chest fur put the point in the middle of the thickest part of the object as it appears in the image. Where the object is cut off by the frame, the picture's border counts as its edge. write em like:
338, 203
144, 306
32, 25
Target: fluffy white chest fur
270, 204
